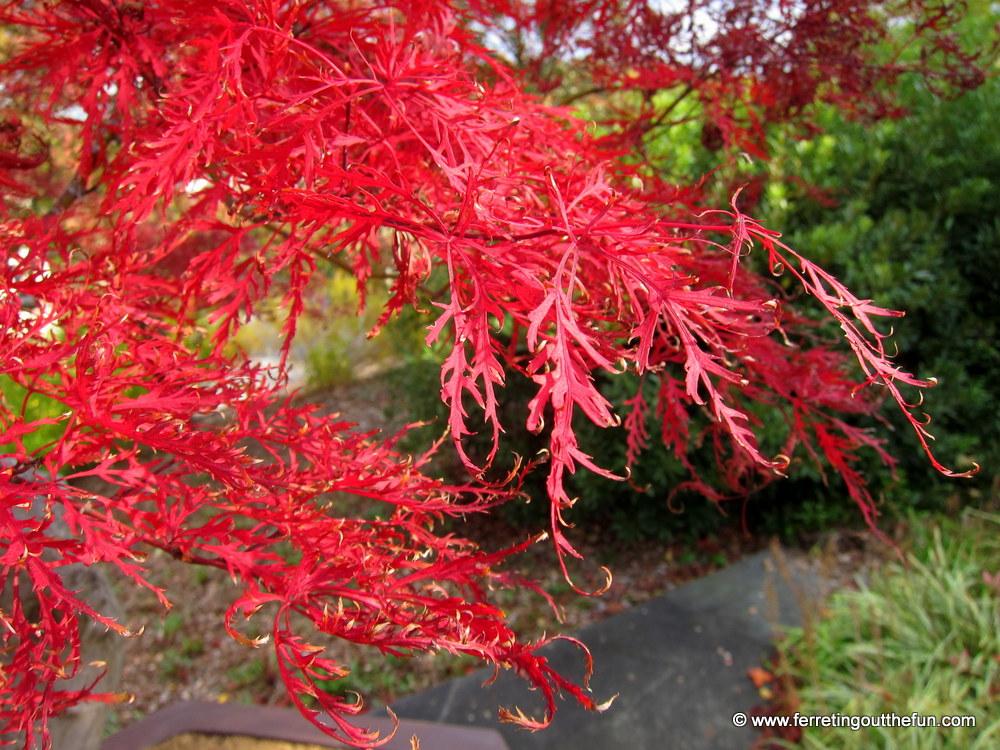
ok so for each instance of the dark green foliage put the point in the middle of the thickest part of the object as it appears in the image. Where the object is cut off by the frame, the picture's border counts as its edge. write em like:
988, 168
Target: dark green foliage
918, 229
643, 507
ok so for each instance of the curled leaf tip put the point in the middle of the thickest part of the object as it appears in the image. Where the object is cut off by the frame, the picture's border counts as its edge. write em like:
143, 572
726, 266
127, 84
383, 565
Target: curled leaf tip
607, 580
969, 473
602, 707
780, 463
521, 719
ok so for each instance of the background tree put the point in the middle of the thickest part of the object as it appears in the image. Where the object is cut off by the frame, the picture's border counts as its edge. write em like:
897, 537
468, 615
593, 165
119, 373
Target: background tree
168, 166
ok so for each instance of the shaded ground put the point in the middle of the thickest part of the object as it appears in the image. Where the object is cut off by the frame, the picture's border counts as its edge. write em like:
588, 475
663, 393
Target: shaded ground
691, 650
676, 667
186, 655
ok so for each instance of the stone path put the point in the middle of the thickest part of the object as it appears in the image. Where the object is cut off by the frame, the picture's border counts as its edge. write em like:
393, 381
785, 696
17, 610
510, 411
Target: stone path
679, 664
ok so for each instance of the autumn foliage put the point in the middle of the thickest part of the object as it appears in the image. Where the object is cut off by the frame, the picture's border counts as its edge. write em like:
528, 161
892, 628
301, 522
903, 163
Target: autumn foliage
167, 167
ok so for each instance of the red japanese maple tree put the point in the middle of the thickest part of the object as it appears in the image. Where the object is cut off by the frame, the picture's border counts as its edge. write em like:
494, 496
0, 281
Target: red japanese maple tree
166, 167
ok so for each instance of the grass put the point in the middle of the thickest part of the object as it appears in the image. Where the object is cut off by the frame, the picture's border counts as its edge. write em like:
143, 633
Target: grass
921, 637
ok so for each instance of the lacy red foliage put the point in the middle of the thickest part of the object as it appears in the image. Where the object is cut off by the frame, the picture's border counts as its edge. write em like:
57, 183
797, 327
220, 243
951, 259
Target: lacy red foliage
749, 63
172, 165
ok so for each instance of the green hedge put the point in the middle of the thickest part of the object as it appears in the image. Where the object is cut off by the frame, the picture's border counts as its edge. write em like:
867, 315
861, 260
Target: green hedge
918, 229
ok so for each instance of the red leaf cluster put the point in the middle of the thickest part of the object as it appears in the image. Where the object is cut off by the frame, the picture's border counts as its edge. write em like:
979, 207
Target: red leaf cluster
748, 63
202, 157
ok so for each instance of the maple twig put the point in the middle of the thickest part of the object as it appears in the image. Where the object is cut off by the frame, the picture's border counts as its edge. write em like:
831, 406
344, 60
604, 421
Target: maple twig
566, 101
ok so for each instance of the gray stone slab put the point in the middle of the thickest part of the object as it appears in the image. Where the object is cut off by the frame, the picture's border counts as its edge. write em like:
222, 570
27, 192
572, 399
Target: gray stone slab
679, 664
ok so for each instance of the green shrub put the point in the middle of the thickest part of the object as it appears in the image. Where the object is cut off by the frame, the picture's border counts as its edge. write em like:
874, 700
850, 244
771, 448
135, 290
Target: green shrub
921, 637
642, 508
917, 229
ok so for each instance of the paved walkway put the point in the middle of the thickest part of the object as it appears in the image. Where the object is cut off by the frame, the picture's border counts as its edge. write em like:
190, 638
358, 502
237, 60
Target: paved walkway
679, 664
